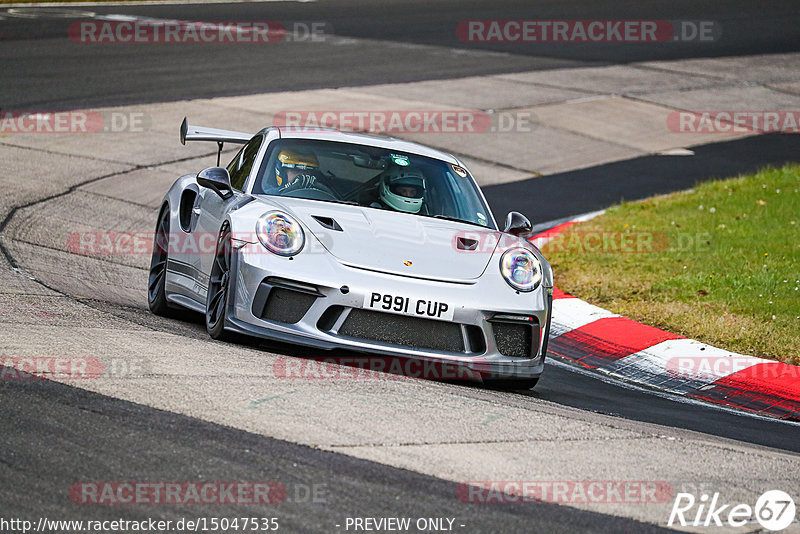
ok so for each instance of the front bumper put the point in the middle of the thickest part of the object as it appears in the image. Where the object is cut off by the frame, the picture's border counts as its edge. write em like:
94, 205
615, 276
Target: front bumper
313, 300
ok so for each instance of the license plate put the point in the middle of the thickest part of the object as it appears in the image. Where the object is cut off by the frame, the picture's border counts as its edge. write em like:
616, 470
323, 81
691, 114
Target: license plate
430, 309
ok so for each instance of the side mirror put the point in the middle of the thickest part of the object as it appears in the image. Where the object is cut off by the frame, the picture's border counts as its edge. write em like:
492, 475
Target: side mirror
216, 179
517, 224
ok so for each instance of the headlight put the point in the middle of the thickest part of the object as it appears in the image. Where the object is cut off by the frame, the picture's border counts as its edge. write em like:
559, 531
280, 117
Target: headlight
521, 269
280, 233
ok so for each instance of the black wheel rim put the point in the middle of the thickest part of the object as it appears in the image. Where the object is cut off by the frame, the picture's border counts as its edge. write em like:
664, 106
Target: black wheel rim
158, 262
218, 283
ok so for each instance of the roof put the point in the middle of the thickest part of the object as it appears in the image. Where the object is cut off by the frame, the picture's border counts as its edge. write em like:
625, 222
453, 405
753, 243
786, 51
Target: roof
388, 143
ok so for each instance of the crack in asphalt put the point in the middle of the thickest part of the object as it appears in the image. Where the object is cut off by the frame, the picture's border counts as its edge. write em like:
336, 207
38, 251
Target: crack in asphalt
589, 92
682, 72
11, 260
10, 215
68, 154
71, 189
98, 257
117, 199
781, 89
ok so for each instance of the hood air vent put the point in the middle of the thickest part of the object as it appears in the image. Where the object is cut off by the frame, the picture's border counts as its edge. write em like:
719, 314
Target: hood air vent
328, 222
465, 243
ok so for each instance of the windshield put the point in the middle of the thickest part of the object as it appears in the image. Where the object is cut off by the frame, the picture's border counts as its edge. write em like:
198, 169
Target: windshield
371, 177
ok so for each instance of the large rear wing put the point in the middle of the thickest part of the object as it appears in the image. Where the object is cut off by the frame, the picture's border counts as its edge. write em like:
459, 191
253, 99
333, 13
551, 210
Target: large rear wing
200, 133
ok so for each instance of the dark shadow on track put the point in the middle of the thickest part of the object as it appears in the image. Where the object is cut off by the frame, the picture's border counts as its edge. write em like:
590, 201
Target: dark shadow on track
571, 388
54, 436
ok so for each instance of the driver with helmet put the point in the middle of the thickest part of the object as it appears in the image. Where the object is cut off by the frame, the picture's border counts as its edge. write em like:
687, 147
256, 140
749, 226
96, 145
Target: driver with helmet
294, 170
401, 189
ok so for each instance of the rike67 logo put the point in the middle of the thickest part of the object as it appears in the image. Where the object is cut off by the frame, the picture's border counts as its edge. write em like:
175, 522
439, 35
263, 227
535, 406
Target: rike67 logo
774, 511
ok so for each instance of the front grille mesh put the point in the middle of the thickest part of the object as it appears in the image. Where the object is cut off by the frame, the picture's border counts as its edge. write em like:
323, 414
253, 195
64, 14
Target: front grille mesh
513, 339
412, 332
287, 306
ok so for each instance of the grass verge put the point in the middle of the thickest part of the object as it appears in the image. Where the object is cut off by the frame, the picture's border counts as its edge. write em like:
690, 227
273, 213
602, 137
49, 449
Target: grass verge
719, 263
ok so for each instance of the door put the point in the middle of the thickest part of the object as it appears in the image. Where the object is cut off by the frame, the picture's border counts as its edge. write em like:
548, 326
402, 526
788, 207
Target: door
211, 209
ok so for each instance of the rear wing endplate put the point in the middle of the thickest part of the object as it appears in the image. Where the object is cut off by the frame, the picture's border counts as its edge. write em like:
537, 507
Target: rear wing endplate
200, 133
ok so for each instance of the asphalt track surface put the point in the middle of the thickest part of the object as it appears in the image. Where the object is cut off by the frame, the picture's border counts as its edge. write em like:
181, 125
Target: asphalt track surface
58, 435
53, 435
391, 41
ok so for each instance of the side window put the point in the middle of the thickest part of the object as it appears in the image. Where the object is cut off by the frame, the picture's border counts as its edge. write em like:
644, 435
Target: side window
239, 168
234, 165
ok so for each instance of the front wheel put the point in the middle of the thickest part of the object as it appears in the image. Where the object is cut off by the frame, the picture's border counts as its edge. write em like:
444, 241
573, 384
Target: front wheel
156, 295
218, 284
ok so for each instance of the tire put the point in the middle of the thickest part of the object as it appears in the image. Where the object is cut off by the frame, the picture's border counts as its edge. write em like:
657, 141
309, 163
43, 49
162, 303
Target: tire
218, 284
156, 295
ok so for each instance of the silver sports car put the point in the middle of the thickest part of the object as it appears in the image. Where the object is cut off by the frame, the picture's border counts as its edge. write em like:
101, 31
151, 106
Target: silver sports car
340, 240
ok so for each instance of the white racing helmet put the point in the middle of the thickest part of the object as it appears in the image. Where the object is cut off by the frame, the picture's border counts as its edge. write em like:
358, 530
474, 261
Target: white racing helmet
403, 188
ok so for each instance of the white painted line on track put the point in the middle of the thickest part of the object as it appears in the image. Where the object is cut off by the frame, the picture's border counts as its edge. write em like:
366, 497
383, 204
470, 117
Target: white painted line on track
570, 314
48, 13
147, 3
682, 358
676, 152
538, 228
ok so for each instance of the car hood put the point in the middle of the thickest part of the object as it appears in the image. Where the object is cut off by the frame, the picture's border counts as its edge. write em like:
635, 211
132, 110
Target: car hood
397, 243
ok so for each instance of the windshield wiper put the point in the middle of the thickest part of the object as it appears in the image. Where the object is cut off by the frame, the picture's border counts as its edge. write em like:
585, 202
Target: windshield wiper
448, 218
348, 202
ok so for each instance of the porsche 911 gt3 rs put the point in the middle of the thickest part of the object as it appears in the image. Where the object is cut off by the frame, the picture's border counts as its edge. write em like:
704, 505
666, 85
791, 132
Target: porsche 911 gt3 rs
342, 240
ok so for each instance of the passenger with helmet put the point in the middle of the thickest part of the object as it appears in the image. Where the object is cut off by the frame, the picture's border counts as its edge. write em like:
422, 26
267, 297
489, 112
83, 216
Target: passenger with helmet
401, 189
294, 170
